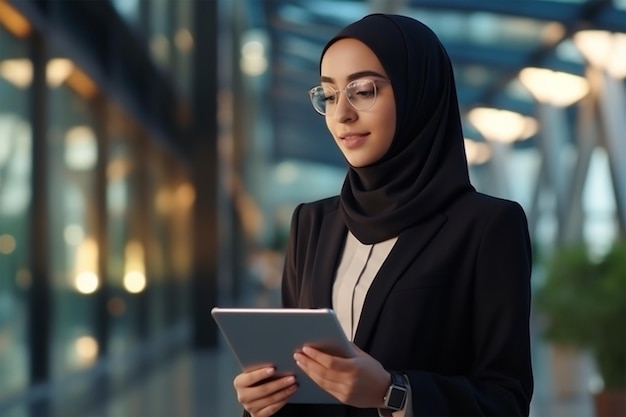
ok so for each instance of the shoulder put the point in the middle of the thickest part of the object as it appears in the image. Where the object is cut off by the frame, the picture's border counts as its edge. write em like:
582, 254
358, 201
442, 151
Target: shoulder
478, 206
312, 211
480, 216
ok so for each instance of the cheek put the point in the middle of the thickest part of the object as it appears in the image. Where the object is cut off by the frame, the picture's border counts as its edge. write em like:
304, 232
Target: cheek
329, 126
389, 123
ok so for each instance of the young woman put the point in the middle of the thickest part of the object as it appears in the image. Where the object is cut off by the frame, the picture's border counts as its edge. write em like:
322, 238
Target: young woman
429, 278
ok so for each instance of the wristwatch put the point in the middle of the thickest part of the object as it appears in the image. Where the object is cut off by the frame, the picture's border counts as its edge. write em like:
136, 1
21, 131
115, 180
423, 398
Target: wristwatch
396, 393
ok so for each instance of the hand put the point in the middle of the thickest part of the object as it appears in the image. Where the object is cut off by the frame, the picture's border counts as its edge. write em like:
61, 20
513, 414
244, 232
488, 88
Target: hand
265, 399
360, 381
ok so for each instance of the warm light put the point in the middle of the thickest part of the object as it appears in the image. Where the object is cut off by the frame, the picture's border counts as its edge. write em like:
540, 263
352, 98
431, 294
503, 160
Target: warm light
617, 63
253, 61
185, 195
118, 169
14, 21
502, 125
604, 50
163, 200
554, 87
477, 153
552, 33
58, 70
86, 348
134, 282
82, 84
183, 40
7, 244
18, 72
134, 267
87, 282
81, 152
595, 45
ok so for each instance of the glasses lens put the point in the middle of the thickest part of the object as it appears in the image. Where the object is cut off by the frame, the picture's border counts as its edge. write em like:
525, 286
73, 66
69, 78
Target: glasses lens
361, 94
318, 99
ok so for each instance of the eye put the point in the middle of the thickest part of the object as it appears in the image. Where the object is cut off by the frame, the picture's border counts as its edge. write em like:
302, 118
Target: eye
365, 92
362, 89
328, 98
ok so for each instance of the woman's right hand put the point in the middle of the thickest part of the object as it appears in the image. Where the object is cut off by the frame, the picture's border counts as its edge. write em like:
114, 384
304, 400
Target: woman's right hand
265, 399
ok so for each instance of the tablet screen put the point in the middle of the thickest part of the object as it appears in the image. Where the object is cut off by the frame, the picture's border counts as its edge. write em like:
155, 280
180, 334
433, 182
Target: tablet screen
260, 337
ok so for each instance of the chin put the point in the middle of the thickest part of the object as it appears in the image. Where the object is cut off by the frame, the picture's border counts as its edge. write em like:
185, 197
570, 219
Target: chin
359, 162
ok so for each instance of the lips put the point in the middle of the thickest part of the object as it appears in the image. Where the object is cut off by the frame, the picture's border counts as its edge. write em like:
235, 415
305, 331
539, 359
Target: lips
353, 139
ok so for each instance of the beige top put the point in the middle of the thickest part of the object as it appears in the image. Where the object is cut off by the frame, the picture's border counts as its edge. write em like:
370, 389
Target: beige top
357, 269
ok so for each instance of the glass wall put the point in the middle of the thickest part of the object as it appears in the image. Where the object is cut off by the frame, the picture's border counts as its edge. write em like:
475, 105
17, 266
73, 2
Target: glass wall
15, 196
125, 266
72, 219
103, 265
168, 26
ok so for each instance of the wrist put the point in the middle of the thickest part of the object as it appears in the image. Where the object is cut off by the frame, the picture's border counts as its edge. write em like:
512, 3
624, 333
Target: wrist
397, 392
384, 388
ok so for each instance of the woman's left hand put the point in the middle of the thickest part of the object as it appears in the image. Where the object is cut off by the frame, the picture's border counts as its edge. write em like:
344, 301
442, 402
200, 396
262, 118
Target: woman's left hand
360, 381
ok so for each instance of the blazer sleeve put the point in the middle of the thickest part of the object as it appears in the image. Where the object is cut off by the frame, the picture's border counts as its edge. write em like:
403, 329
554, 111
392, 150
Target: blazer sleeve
500, 381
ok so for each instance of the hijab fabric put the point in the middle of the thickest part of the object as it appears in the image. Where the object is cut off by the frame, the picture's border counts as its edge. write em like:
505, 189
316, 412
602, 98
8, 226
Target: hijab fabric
425, 168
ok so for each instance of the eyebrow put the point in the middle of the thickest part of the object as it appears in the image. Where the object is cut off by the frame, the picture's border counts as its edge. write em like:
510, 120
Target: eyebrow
354, 76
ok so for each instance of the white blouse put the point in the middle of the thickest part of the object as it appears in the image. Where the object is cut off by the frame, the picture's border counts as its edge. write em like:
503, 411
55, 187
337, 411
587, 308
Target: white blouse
357, 269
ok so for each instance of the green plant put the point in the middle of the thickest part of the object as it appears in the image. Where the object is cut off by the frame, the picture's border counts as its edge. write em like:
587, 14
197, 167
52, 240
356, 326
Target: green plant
584, 304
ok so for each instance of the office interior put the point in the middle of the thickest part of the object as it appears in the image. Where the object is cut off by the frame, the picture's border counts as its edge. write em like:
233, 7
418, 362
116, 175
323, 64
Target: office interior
152, 152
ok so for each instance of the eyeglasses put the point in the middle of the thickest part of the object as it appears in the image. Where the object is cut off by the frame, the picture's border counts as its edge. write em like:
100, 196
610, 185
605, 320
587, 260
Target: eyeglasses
361, 95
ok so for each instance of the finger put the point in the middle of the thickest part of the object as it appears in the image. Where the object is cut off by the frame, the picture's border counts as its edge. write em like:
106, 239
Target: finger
269, 389
248, 379
268, 406
324, 359
327, 378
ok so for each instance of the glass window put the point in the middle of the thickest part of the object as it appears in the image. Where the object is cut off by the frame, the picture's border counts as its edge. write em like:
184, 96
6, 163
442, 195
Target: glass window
15, 196
183, 45
73, 211
181, 249
130, 10
158, 263
160, 28
126, 275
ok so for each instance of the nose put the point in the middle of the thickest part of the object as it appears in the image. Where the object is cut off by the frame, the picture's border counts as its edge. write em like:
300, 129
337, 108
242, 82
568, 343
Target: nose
344, 112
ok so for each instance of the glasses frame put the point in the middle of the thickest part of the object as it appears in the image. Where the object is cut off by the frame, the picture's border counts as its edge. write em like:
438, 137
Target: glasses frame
337, 93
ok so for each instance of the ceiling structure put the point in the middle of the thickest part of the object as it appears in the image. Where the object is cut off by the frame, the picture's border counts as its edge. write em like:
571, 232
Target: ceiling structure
489, 42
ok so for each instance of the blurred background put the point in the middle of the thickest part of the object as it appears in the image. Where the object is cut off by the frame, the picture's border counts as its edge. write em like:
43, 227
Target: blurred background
152, 152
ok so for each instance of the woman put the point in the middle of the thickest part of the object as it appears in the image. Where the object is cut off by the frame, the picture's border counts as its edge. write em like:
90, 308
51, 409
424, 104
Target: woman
429, 278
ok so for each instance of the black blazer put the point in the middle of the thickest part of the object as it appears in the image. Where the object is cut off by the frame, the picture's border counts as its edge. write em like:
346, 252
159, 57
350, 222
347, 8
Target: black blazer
449, 307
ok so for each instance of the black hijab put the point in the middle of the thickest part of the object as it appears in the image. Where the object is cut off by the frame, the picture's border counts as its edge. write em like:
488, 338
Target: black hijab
425, 168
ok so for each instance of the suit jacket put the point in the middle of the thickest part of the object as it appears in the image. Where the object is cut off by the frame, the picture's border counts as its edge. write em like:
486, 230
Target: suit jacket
449, 306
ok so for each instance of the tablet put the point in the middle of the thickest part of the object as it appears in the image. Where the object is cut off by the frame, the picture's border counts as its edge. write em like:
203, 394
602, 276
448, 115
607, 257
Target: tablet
269, 336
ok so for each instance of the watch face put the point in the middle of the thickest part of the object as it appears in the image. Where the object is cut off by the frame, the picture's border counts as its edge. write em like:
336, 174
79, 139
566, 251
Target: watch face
396, 398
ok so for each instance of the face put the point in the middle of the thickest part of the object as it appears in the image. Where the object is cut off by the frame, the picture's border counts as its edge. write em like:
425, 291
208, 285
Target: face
363, 136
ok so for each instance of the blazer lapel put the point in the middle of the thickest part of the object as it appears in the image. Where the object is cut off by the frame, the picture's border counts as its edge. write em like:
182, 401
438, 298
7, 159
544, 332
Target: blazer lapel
410, 244
331, 241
